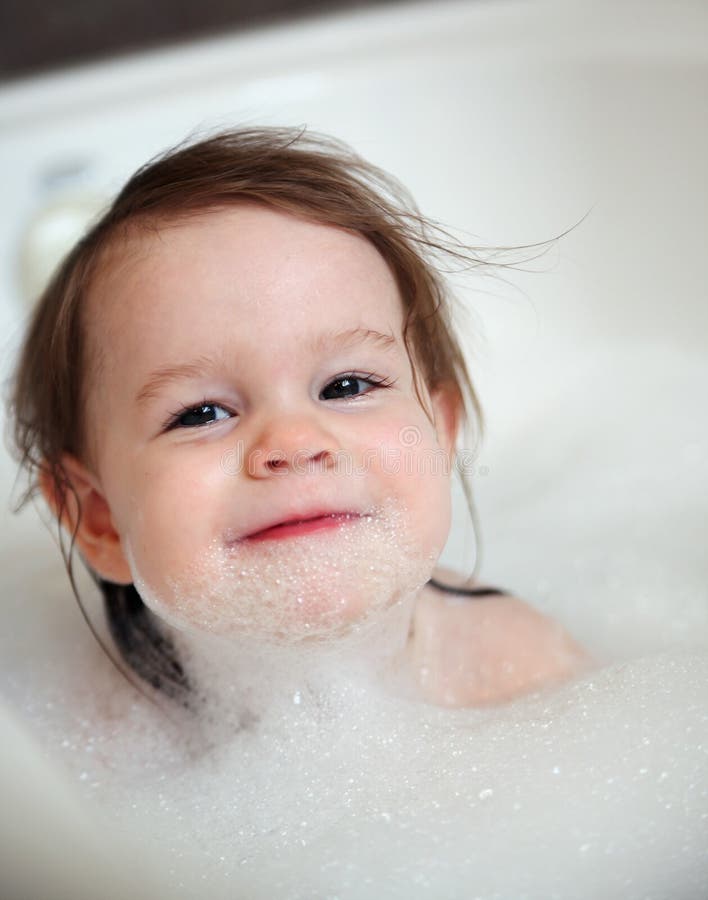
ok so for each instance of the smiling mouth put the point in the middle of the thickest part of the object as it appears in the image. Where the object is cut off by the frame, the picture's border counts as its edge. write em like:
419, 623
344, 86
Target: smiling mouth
299, 527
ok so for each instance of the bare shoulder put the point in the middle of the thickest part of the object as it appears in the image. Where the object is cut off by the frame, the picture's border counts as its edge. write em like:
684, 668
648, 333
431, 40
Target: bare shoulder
487, 649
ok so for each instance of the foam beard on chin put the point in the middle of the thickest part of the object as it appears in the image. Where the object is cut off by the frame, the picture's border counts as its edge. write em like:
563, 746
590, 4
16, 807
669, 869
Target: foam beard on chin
321, 585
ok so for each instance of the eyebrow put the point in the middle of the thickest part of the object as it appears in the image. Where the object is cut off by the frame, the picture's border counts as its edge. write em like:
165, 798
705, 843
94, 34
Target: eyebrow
166, 375
350, 337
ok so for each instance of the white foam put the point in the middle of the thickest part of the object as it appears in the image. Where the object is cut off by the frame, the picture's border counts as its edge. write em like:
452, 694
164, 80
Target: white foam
561, 793
319, 585
338, 786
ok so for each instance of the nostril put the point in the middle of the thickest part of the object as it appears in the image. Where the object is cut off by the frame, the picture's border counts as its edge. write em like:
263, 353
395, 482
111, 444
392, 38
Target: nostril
301, 461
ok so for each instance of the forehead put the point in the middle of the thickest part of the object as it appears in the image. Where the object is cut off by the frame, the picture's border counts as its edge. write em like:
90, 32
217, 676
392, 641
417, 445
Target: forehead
251, 264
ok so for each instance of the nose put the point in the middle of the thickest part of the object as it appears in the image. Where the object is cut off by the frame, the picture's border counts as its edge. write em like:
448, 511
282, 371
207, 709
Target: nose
294, 443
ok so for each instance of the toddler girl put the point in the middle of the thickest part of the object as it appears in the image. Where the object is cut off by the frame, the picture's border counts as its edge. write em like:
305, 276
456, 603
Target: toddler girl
240, 395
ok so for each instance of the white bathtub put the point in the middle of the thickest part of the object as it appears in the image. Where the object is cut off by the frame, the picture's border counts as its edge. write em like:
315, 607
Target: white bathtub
509, 121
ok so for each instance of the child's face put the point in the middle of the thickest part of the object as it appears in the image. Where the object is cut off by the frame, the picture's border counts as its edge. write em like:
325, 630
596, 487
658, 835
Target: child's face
275, 332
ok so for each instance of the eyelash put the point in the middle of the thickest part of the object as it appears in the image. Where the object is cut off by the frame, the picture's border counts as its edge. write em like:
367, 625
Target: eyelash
172, 421
374, 380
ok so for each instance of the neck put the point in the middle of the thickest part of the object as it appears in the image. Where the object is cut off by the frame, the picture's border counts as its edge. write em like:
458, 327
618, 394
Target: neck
245, 680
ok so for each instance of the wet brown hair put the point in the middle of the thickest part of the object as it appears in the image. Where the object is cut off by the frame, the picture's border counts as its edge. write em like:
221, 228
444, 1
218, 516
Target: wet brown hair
309, 175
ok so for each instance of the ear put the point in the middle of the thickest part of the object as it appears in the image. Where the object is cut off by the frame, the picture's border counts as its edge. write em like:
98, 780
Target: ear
96, 536
447, 413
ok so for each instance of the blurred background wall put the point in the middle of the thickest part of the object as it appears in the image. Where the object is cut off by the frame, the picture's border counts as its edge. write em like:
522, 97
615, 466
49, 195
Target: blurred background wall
37, 35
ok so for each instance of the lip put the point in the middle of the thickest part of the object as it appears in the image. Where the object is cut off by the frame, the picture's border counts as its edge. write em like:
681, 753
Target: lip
302, 524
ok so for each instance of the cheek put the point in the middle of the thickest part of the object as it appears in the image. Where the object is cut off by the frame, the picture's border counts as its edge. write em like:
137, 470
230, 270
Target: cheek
170, 510
405, 457
428, 496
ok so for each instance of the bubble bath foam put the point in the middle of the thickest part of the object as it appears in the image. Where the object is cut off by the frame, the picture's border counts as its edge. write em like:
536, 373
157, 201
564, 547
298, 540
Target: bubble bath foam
303, 769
